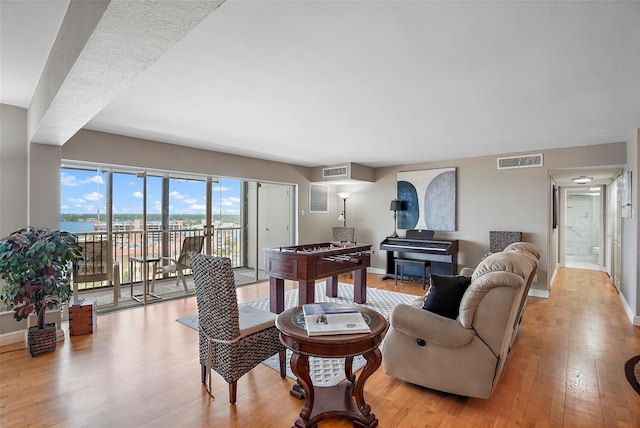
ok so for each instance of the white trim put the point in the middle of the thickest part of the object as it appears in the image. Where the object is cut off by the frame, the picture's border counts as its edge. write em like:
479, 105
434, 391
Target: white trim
539, 293
18, 336
634, 319
11, 337
376, 271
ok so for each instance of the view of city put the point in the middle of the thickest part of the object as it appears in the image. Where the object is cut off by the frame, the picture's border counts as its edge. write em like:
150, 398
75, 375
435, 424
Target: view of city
83, 211
83, 201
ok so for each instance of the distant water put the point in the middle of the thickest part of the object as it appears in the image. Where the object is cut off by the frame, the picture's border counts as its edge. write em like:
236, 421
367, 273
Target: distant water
76, 226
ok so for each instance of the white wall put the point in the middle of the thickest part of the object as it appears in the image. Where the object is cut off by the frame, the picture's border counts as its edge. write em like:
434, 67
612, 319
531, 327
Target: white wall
630, 282
13, 168
44, 186
488, 199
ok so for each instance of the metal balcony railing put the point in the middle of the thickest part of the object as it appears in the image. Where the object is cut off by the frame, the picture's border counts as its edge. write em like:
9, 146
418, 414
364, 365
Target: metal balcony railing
226, 242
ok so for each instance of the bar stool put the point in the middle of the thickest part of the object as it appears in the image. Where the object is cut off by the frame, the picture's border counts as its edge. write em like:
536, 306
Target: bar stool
402, 263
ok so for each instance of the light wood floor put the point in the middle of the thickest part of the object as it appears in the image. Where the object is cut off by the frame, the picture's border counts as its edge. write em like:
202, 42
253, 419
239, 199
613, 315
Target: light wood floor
140, 369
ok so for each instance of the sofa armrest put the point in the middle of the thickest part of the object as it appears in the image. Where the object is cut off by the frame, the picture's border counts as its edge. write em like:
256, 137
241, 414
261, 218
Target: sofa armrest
432, 328
467, 271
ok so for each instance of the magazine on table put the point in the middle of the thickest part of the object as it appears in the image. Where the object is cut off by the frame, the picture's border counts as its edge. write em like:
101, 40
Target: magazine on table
331, 318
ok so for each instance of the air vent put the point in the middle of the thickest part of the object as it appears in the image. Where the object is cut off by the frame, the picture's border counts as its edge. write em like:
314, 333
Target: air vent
335, 171
526, 161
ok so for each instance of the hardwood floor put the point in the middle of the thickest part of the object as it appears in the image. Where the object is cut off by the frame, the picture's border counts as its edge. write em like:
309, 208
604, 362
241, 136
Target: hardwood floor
140, 369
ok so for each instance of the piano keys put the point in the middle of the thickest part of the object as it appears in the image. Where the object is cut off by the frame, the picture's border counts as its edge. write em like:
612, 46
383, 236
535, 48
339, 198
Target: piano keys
421, 245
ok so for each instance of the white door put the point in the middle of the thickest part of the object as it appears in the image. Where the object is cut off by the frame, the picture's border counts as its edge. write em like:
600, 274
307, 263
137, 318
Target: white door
275, 208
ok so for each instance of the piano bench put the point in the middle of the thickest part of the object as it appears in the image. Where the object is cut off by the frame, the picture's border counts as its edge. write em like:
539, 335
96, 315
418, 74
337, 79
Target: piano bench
402, 263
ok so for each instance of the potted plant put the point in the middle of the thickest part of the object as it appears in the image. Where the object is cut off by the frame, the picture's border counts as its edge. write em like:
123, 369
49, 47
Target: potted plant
36, 265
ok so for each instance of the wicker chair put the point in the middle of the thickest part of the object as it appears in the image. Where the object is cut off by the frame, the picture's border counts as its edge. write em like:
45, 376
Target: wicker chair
190, 244
233, 339
95, 267
344, 234
499, 239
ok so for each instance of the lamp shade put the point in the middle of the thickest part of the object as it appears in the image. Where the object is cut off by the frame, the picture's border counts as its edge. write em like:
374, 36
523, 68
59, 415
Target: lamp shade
344, 195
396, 205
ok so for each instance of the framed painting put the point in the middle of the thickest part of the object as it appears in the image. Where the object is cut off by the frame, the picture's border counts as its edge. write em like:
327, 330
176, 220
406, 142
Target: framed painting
318, 198
428, 199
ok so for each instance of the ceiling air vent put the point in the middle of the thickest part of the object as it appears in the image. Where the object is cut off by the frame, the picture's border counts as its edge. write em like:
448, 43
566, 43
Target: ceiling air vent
334, 172
525, 161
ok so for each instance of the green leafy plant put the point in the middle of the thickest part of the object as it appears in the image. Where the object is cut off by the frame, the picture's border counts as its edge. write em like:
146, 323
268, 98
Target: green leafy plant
36, 265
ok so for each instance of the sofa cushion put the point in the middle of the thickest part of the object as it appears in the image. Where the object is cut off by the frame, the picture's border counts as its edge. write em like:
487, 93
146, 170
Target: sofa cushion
445, 294
509, 261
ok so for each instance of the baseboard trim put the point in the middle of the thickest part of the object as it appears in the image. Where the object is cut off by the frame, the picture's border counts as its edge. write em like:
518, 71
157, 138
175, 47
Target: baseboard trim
634, 319
539, 293
18, 336
11, 337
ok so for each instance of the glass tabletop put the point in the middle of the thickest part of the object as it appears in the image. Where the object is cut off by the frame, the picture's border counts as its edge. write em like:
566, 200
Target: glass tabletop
298, 318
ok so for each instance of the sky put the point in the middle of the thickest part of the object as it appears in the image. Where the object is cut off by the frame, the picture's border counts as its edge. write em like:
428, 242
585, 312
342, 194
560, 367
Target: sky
84, 192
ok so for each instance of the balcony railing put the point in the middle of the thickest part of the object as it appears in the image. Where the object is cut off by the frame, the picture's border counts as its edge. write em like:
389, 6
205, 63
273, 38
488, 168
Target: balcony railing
226, 242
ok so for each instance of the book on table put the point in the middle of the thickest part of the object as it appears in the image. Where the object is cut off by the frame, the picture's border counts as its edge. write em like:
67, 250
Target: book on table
331, 318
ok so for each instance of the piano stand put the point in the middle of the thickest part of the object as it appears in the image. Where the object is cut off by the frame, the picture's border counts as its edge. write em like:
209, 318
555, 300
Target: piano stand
401, 263
441, 256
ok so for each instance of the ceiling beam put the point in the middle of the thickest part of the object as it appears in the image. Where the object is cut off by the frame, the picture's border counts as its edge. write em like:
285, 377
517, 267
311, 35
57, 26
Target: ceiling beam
101, 47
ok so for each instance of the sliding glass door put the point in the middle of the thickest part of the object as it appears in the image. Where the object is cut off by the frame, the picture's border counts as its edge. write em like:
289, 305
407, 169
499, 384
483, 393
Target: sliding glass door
150, 213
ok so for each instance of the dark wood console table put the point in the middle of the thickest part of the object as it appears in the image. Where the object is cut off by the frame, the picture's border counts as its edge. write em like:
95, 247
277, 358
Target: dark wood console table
345, 400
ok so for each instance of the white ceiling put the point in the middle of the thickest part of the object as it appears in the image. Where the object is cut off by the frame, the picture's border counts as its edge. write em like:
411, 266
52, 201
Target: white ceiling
373, 82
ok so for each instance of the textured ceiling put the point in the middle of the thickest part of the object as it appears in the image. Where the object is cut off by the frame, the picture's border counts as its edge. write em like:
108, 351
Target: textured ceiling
375, 82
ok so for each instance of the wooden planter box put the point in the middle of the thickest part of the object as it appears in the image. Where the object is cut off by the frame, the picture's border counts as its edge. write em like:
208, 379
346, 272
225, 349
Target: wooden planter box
83, 317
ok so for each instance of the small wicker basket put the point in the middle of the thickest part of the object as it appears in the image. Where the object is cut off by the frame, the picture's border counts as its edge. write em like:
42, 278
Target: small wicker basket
41, 341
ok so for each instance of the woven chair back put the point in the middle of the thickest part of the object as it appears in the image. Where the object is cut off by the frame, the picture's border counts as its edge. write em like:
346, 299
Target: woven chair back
216, 296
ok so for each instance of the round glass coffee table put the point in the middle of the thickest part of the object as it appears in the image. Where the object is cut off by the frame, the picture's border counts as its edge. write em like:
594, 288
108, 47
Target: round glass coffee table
345, 400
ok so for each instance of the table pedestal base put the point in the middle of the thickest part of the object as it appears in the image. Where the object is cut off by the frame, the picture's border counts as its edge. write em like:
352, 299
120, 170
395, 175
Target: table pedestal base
336, 402
345, 400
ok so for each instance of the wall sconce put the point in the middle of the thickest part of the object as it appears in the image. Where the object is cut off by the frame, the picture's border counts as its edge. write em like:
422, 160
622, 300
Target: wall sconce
343, 216
396, 206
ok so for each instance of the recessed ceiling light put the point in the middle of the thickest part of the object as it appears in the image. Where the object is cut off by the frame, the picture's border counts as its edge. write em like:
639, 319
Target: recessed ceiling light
582, 179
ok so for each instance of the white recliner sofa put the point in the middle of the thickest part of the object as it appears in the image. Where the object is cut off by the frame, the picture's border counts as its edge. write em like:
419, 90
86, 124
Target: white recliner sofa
466, 355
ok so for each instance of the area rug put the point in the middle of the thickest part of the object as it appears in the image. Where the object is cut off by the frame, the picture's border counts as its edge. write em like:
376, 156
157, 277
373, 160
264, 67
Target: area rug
632, 371
325, 371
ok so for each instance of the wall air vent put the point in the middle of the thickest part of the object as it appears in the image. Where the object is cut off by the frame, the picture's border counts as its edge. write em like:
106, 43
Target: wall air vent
335, 172
525, 161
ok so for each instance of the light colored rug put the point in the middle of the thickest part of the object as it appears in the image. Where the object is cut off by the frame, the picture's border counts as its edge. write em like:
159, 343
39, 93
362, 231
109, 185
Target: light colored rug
326, 371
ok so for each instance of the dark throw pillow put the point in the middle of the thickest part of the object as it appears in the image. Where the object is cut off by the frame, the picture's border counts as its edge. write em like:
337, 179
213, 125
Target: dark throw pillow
445, 294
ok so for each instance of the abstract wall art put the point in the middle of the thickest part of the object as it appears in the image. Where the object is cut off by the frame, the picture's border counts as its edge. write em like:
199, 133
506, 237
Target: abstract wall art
428, 199
318, 198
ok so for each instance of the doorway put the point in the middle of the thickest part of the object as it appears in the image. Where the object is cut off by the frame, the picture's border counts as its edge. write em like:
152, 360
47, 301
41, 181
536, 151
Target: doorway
583, 228
269, 222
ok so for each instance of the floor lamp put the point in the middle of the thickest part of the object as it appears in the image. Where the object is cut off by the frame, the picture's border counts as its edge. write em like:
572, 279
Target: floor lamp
343, 217
396, 206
